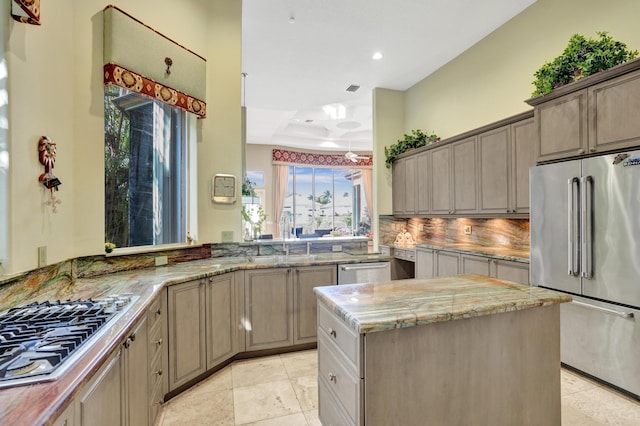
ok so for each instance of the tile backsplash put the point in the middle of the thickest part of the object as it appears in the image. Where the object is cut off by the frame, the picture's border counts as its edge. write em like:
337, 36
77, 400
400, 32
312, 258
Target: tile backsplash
511, 233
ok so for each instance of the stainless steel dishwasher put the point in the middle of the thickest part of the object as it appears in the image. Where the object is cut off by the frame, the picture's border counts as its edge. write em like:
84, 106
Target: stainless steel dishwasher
357, 273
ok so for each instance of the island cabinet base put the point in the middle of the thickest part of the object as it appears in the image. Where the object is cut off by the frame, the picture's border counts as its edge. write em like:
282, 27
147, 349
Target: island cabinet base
500, 369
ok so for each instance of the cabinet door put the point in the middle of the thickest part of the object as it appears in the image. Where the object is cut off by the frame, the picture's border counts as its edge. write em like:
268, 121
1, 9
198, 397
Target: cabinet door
440, 180
424, 263
470, 264
398, 186
613, 114
305, 305
523, 142
220, 318
562, 127
447, 263
101, 401
507, 270
495, 171
137, 375
464, 162
422, 191
187, 355
67, 418
268, 308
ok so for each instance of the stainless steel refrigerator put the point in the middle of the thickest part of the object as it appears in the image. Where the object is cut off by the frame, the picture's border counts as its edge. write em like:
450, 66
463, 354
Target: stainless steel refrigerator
585, 240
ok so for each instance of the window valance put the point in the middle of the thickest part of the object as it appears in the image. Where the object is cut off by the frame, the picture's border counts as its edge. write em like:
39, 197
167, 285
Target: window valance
294, 158
142, 60
26, 11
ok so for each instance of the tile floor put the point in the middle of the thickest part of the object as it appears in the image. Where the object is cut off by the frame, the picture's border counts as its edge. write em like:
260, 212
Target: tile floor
281, 390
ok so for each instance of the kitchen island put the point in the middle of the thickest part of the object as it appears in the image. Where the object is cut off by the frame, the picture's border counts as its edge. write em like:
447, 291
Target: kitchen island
465, 349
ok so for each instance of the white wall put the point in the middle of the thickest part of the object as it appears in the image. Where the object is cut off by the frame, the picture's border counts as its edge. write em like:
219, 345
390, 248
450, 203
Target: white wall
55, 89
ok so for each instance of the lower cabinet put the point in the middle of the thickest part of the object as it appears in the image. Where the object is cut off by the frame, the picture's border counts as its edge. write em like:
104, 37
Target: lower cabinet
136, 378
440, 263
100, 401
220, 318
305, 306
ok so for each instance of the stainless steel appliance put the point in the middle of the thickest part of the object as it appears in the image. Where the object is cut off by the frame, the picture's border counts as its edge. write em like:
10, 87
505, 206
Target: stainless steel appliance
357, 273
39, 341
585, 240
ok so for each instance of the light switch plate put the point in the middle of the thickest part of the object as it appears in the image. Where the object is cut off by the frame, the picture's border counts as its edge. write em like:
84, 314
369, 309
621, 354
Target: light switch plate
161, 260
467, 229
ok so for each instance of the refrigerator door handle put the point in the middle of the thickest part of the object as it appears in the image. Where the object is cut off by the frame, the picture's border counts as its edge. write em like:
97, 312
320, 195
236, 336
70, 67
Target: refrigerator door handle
572, 228
586, 208
601, 309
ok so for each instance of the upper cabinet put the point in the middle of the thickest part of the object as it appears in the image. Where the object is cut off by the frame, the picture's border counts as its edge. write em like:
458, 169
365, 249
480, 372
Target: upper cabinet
481, 173
591, 116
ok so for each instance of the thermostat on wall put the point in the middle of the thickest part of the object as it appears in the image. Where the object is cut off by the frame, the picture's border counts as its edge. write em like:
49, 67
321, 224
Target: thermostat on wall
223, 189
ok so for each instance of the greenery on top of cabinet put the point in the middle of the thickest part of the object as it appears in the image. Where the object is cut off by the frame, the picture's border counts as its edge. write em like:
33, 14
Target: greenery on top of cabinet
582, 57
416, 139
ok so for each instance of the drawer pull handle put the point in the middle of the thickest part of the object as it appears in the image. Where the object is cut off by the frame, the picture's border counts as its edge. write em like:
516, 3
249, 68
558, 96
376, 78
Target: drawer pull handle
332, 377
332, 332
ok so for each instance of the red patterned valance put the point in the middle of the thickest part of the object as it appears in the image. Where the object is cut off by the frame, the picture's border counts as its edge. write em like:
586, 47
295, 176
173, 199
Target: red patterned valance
283, 156
115, 74
26, 11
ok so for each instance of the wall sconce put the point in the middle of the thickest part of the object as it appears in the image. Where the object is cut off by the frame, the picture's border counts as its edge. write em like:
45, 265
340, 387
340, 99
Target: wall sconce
168, 61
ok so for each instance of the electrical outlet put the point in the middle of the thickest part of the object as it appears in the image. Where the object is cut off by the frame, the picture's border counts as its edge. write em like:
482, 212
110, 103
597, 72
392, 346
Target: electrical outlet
336, 247
227, 236
467, 229
42, 256
161, 260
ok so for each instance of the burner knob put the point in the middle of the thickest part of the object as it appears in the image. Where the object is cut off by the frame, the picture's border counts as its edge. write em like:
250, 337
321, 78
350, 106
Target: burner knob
119, 304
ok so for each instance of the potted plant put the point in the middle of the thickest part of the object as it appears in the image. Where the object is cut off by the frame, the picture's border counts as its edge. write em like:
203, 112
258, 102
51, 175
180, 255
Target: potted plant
582, 57
416, 139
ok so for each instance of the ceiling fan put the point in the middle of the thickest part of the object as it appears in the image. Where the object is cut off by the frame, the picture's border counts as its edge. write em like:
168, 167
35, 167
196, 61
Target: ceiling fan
352, 156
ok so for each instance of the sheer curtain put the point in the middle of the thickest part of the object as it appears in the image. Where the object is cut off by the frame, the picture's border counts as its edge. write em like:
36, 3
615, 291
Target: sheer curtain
280, 176
367, 186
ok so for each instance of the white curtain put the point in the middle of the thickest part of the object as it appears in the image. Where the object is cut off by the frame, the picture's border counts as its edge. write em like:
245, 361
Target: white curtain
280, 176
367, 186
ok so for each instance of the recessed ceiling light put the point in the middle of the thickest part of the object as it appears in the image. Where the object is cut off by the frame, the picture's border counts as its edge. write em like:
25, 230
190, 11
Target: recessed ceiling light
377, 56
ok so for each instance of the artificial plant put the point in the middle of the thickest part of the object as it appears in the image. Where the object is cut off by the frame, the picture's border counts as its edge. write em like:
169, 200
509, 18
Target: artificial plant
416, 139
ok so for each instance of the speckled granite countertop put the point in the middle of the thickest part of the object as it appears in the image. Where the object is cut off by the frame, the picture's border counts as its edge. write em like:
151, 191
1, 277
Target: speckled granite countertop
369, 308
41, 403
495, 252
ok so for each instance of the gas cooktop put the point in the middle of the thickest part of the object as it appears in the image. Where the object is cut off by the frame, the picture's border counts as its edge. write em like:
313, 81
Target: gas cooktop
40, 340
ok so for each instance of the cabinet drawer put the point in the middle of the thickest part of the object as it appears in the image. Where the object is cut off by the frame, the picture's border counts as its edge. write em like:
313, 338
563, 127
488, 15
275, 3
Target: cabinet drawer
155, 341
155, 402
337, 376
336, 331
330, 411
154, 312
155, 371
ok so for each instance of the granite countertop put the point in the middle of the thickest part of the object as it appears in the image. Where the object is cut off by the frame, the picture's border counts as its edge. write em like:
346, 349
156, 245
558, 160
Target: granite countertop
39, 403
368, 308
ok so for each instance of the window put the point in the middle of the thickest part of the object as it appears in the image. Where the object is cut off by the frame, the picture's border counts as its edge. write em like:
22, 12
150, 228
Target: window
146, 155
326, 200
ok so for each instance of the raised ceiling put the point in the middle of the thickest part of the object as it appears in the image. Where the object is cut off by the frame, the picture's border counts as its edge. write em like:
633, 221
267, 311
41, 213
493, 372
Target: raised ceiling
300, 56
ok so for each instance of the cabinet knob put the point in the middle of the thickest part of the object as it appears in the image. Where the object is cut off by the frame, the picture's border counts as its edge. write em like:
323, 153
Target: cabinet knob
159, 402
332, 332
592, 149
159, 342
158, 372
127, 343
581, 151
132, 336
332, 378
159, 312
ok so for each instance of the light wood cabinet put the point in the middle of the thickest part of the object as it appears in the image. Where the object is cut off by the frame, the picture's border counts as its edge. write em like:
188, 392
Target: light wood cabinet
423, 183
523, 157
305, 310
440, 180
220, 318
424, 262
397, 186
447, 263
465, 177
507, 270
495, 171
404, 186
100, 402
67, 418
136, 377
268, 308
157, 354
436, 263
186, 330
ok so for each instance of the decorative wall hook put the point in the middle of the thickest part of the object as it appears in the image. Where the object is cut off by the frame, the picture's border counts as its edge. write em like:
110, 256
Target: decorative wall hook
168, 61
47, 157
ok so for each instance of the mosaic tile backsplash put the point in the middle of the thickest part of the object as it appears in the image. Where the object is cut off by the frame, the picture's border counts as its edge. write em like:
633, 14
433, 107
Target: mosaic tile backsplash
508, 233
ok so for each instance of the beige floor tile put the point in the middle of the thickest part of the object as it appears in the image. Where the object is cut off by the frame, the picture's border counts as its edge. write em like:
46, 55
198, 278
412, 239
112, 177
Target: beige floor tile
306, 389
571, 382
297, 419
574, 417
264, 401
218, 381
198, 407
312, 418
259, 370
299, 364
604, 406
